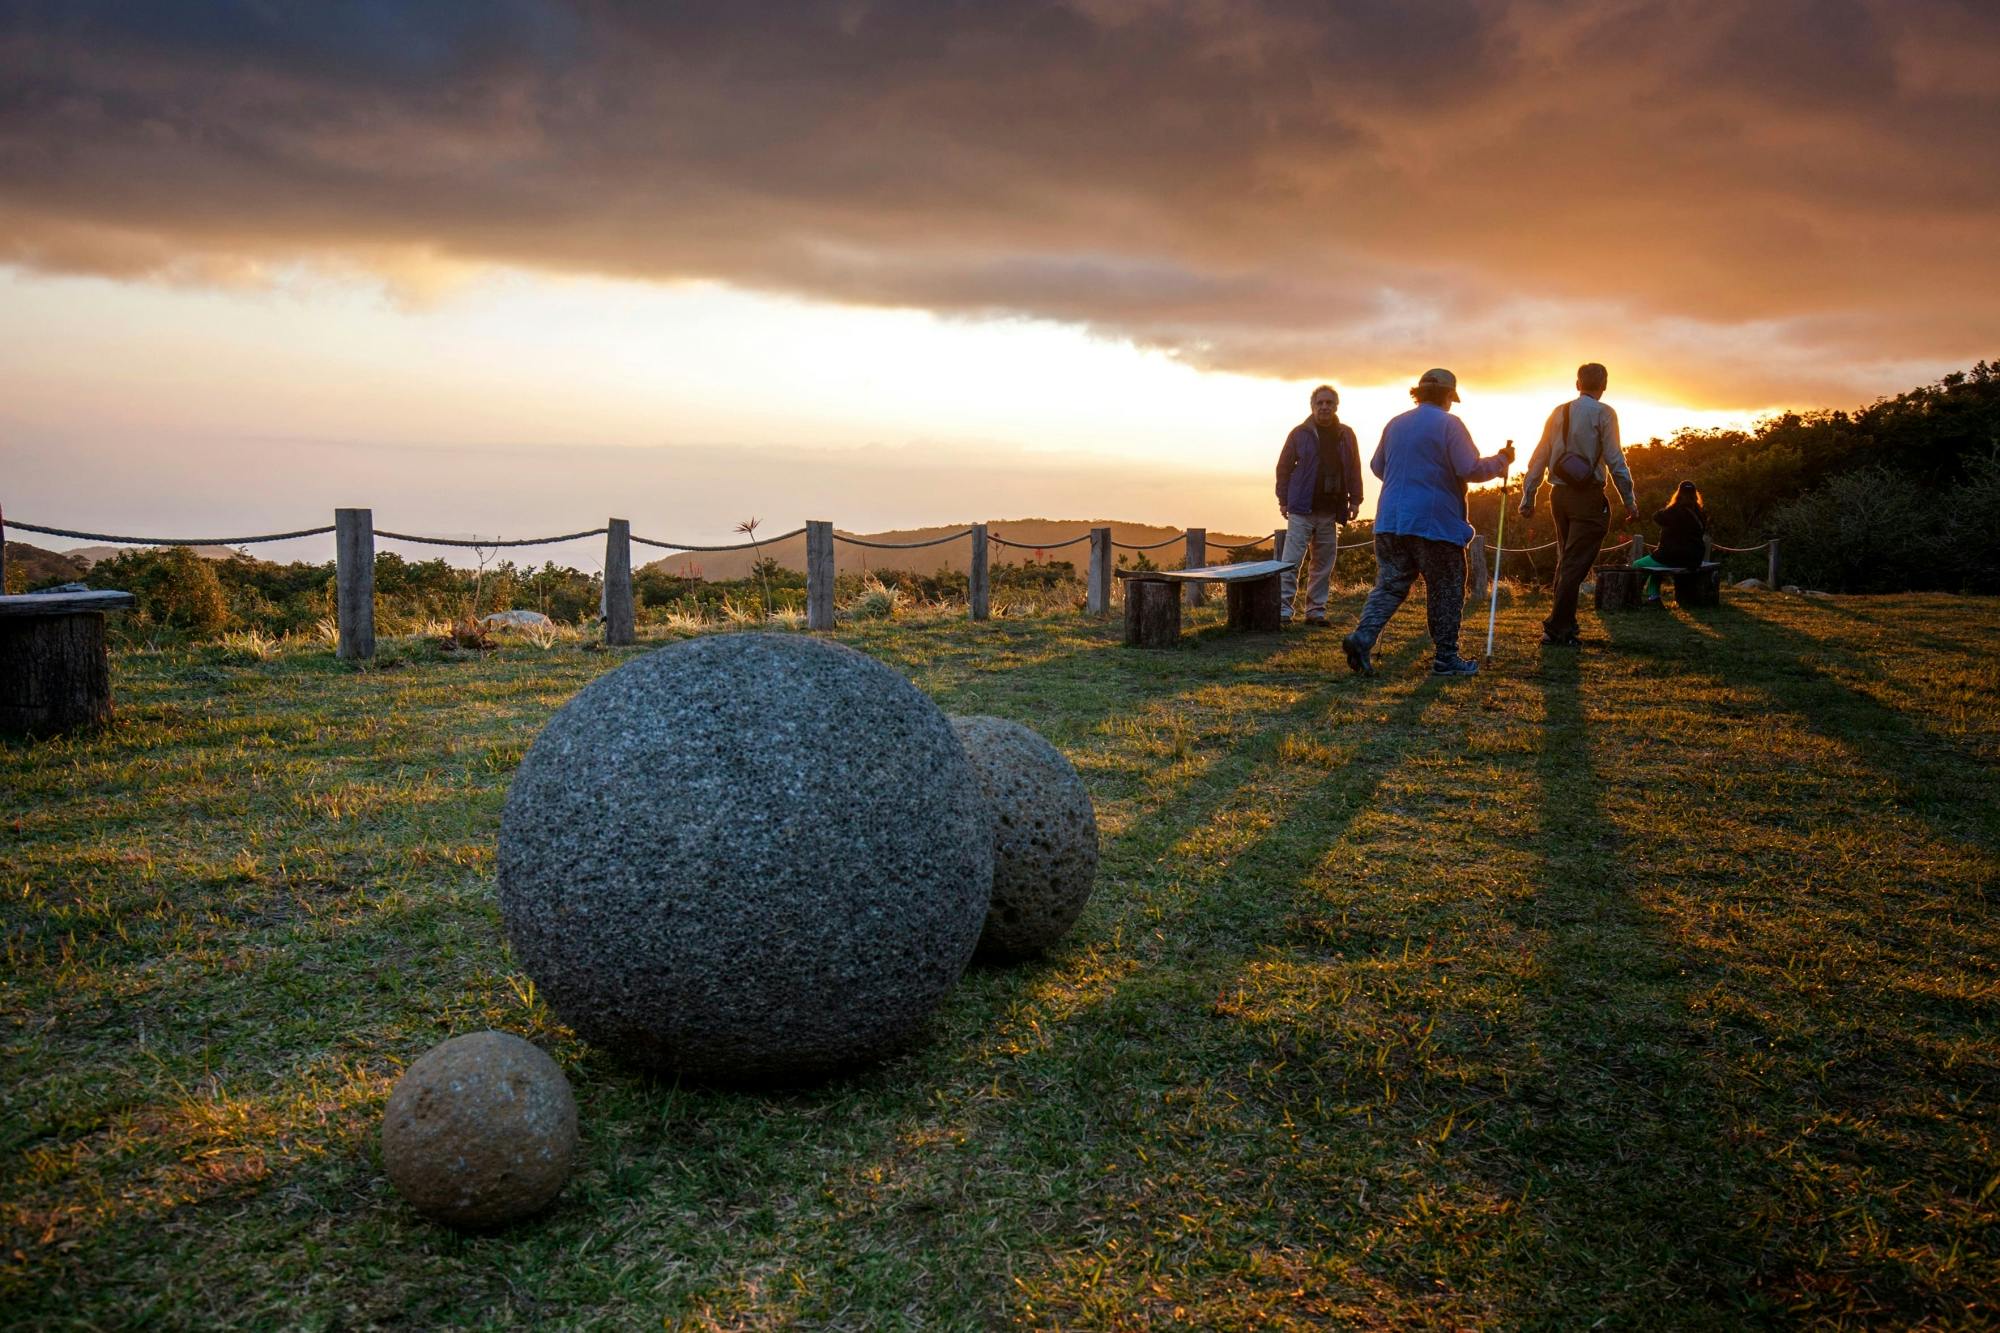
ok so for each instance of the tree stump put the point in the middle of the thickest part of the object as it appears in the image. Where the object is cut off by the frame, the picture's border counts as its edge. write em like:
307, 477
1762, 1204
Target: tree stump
55, 673
1619, 587
1699, 587
1152, 613
1253, 605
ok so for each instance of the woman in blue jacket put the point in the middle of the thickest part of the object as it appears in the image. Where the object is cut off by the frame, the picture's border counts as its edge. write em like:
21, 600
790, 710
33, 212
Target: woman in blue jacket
1425, 460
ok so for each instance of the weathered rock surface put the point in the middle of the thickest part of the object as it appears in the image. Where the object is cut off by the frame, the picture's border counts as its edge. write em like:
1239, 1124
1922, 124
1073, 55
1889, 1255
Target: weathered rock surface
1044, 840
515, 619
480, 1131
746, 857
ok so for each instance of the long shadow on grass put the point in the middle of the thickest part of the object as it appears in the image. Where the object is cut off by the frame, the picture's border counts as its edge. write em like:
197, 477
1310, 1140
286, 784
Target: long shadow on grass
1949, 788
1612, 1131
1143, 1078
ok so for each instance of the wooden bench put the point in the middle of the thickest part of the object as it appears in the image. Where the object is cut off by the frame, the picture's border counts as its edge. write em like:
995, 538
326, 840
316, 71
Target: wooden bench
55, 670
1153, 599
1620, 587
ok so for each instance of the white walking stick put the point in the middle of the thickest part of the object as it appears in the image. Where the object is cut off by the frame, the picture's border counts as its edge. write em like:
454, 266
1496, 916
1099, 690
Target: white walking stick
1499, 534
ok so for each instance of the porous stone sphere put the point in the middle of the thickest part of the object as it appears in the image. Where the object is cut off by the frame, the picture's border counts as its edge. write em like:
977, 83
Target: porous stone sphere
480, 1131
1044, 838
746, 857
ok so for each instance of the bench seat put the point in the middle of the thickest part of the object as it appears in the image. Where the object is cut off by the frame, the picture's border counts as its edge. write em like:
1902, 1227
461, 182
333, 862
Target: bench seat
1153, 601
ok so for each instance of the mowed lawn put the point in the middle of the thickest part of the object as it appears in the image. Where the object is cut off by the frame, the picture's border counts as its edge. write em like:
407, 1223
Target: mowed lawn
1656, 986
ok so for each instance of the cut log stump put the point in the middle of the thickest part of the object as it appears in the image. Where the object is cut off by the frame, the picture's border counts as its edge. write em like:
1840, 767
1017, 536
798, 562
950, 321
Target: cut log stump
55, 670
1152, 613
1619, 587
1699, 587
1253, 605
55, 674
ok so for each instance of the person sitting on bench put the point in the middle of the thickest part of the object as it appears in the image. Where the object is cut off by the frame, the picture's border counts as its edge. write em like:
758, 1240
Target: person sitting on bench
1683, 538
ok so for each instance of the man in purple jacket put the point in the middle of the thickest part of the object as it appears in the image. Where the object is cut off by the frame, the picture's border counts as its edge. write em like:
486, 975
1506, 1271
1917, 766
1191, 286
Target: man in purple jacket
1319, 488
1425, 460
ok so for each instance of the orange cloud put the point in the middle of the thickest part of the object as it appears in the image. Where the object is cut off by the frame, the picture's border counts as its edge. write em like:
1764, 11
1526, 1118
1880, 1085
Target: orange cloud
1737, 201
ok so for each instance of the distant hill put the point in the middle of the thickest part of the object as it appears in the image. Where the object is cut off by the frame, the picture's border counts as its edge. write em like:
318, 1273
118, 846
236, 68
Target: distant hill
955, 556
29, 566
90, 555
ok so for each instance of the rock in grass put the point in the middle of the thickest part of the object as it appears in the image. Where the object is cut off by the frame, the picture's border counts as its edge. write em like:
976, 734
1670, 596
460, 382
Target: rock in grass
746, 857
1044, 839
480, 1131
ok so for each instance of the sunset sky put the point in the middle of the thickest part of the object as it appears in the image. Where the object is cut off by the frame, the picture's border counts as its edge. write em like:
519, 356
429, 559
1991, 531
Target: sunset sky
507, 267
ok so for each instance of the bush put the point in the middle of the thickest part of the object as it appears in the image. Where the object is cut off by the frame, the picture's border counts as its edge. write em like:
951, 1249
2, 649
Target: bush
177, 590
1878, 530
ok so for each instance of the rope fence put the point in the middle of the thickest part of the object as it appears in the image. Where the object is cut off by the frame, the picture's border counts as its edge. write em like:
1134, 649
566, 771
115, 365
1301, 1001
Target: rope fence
355, 535
168, 541
998, 540
759, 544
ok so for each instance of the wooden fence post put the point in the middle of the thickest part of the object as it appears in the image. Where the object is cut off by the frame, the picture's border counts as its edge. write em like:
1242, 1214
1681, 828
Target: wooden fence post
1197, 556
3, 554
620, 618
1477, 588
819, 574
1278, 544
1771, 573
354, 582
1097, 592
1638, 546
979, 576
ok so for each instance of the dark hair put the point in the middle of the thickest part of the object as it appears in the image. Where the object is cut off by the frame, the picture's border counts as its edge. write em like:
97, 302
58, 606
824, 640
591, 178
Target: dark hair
1437, 395
1590, 372
1325, 388
1685, 496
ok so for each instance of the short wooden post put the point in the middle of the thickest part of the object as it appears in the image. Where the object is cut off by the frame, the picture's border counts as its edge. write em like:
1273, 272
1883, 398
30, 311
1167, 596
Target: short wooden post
3, 552
1097, 592
819, 574
979, 576
1152, 613
354, 582
1278, 544
1771, 577
1197, 556
1638, 546
1475, 560
620, 618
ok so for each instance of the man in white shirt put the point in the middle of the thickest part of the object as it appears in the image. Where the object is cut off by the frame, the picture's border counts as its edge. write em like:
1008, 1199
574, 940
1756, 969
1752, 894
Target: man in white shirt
1579, 446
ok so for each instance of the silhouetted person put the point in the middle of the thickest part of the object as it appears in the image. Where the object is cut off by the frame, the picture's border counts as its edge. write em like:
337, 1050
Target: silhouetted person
1425, 460
1579, 445
1683, 538
1319, 488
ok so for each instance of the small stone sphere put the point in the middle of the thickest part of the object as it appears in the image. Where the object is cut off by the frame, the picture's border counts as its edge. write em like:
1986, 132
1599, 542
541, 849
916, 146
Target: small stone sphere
1044, 837
746, 858
480, 1131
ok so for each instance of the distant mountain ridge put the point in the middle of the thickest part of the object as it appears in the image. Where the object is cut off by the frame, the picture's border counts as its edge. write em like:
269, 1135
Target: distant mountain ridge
1038, 535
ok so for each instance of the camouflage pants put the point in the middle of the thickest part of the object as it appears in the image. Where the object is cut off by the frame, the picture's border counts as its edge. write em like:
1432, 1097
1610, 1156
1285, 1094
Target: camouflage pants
1399, 561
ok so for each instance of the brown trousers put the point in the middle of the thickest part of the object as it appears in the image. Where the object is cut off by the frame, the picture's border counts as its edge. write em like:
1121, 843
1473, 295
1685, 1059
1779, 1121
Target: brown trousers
1582, 518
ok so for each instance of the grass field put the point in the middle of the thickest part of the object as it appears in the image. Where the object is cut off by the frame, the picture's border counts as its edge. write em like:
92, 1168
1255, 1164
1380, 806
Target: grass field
1657, 987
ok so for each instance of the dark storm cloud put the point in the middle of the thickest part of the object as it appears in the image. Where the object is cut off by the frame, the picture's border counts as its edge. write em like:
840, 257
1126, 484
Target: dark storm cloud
1755, 198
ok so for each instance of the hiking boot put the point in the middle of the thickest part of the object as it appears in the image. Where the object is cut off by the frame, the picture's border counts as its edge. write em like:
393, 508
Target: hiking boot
1356, 649
1315, 622
1454, 666
1569, 640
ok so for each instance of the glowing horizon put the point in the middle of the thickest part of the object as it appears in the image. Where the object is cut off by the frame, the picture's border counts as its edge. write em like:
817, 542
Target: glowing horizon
515, 364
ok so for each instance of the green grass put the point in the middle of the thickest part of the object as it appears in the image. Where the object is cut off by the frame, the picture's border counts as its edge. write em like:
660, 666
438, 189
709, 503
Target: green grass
1656, 986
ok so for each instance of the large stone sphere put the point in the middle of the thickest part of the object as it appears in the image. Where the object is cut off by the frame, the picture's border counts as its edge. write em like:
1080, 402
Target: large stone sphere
746, 857
480, 1131
1044, 837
